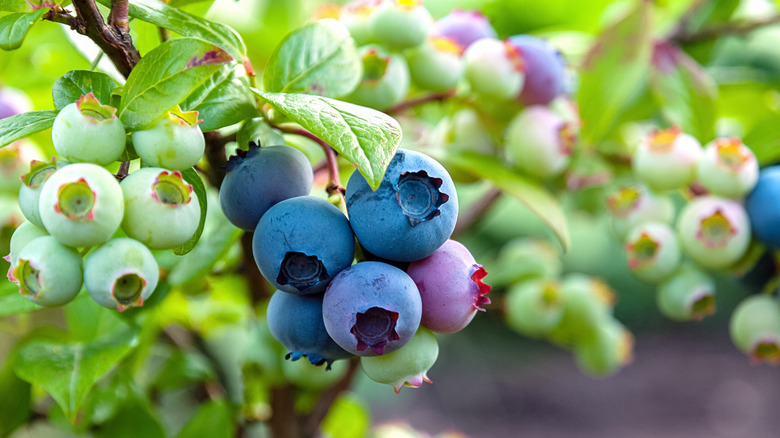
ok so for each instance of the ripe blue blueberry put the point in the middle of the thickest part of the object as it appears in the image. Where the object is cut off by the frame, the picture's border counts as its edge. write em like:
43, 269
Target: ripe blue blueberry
545, 77
410, 215
296, 322
371, 309
762, 206
301, 243
258, 179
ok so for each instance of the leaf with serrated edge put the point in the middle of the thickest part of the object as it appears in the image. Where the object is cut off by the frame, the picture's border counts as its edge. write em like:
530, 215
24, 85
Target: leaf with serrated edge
366, 137
71, 86
67, 371
614, 71
223, 100
14, 27
530, 193
22, 125
184, 23
319, 58
258, 131
192, 177
165, 76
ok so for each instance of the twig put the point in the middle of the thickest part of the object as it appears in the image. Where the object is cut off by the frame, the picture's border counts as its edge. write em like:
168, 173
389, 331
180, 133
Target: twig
411, 103
257, 286
124, 168
113, 38
334, 183
740, 27
312, 421
477, 211
216, 156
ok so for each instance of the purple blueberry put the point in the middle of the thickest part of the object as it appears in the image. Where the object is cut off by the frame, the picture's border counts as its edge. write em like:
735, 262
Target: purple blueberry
371, 309
13, 102
260, 178
301, 243
451, 287
544, 70
411, 214
463, 27
296, 322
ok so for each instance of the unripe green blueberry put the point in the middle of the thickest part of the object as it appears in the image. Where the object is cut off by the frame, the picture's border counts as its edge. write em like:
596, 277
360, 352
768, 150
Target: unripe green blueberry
653, 252
632, 205
23, 234
666, 159
14, 161
464, 131
494, 69
81, 205
161, 210
587, 303
606, 351
122, 273
407, 366
48, 273
534, 307
526, 258
689, 294
400, 24
385, 79
755, 328
88, 132
436, 65
355, 16
30, 191
540, 142
174, 142
713, 231
728, 168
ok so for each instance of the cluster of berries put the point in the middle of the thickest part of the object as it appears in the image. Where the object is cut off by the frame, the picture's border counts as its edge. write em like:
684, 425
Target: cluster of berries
415, 279
724, 209
86, 228
574, 312
401, 44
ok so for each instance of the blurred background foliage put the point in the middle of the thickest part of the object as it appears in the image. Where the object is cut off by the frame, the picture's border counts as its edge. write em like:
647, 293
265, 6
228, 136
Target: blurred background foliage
207, 320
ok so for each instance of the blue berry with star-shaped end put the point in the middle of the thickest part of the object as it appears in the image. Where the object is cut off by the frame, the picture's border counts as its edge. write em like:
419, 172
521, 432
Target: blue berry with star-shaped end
410, 215
371, 309
296, 322
301, 243
762, 206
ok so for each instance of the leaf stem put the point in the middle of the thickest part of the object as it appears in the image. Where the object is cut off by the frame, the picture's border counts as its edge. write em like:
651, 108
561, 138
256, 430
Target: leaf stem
334, 183
411, 103
96, 61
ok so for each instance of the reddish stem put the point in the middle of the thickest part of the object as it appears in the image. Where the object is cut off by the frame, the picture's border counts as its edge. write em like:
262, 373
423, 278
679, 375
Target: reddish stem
411, 103
334, 183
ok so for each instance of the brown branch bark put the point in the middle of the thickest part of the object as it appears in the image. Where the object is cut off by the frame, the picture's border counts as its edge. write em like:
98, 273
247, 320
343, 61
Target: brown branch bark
312, 421
411, 103
476, 211
113, 38
741, 27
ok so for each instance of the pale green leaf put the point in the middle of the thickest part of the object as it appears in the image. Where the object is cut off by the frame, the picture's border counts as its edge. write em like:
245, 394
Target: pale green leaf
14, 27
22, 125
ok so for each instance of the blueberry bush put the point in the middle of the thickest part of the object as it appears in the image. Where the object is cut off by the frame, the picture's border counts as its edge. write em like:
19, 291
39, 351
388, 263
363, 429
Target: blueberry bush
183, 258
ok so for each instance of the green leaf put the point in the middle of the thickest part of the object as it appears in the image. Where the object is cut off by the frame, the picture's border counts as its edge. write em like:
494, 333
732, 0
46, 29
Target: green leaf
349, 417
186, 24
762, 138
165, 76
68, 371
365, 137
223, 100
530, 193
16, 403
319, 58
192, 177
613, 71
70, 87
218, 237
14, 27
258, 131
133, 419
22, 125
213, 420
685, 92
88, 321
14, 304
